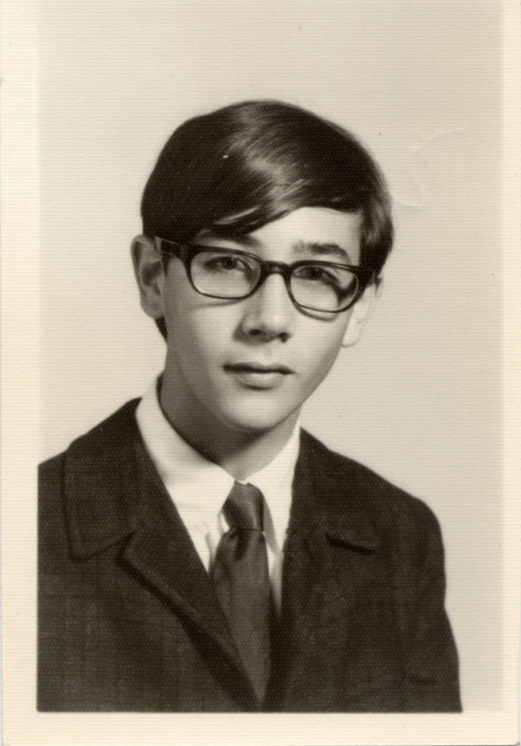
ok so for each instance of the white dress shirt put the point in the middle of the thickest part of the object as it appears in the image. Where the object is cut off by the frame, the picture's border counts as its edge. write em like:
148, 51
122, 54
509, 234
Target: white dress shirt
199, 487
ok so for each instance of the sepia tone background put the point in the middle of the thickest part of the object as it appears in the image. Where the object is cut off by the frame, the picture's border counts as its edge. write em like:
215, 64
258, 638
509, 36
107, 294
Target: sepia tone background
419, 399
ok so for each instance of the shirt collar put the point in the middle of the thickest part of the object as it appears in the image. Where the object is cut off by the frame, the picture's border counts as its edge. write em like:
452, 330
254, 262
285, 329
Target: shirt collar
199, 485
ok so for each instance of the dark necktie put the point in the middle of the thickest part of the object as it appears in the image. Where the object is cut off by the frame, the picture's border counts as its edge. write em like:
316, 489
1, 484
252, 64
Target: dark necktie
241, 579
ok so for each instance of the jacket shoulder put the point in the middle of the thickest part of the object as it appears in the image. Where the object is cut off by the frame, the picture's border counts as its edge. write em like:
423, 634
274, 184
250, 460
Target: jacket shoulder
106, 434
83, 487
95, 458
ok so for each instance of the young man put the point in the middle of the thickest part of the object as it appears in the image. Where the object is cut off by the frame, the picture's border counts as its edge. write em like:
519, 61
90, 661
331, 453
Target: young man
198, 551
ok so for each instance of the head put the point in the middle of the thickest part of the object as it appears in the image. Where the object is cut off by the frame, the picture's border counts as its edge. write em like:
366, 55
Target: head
278, 178
236, 169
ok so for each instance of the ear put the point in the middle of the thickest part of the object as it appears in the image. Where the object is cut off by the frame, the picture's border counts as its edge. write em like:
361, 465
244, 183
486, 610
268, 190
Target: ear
150, 275
360, 313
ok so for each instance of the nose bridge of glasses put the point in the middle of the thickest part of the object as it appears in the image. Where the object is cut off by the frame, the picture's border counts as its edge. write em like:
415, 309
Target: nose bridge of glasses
264, 293
274, 268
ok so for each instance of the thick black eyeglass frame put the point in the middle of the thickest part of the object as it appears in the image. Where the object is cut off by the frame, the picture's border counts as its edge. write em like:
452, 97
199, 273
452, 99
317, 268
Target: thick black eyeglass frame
187, 251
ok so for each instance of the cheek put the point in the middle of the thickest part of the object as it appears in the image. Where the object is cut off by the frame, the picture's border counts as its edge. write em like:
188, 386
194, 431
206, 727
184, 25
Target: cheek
319, 361
324, 362
323, 345
198, 334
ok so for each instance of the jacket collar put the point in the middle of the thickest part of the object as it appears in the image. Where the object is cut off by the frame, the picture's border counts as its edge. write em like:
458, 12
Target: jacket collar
101, 474
104, 467
330, 499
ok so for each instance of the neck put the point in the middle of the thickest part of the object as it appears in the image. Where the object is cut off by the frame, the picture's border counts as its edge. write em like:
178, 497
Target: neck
239, 452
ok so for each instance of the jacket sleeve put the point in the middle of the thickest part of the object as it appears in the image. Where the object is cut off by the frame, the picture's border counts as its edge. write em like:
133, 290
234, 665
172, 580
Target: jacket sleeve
430, 650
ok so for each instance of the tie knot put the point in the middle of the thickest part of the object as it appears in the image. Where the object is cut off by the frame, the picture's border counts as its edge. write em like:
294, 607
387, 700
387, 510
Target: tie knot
244, 507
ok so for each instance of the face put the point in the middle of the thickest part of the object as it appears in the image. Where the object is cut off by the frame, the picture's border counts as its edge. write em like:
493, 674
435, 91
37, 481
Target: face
250, 364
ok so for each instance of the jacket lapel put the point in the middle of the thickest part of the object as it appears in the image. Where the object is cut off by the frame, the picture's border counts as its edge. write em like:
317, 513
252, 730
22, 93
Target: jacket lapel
329, 565
114, 493
162, 552
327, 513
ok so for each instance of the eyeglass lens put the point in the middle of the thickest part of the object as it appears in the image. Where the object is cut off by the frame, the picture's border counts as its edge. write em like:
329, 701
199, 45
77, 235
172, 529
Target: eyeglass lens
313, 285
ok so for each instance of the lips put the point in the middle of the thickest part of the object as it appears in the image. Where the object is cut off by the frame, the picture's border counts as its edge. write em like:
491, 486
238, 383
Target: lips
257, 368
258, 376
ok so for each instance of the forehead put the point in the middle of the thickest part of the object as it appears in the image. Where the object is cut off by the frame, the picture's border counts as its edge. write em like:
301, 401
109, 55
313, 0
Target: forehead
315, 230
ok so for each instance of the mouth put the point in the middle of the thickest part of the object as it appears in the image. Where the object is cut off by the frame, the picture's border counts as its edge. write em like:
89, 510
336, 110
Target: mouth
257, 375
257, 368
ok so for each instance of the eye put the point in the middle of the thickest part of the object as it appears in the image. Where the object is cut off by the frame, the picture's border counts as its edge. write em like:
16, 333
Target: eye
318, 274
225, 263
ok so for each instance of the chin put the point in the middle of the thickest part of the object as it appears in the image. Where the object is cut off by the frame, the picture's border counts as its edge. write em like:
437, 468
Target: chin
257, 422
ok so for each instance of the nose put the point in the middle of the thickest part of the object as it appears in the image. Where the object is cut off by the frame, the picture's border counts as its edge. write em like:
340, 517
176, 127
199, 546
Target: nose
269, 313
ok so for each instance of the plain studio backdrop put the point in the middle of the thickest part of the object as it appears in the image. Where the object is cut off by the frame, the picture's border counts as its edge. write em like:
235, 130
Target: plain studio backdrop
419, 398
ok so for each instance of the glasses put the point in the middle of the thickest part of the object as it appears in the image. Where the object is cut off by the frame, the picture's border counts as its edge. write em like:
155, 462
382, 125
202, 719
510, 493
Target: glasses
233, 275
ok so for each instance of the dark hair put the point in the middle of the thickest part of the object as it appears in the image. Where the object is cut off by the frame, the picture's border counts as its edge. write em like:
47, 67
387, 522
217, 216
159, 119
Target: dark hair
234, 170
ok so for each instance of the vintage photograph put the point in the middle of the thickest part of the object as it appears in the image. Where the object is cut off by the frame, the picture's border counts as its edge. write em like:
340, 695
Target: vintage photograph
263, 405
199, 541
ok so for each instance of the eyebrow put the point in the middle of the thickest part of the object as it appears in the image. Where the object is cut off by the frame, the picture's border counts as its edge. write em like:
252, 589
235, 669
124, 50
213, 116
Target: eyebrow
318, 248
322, 248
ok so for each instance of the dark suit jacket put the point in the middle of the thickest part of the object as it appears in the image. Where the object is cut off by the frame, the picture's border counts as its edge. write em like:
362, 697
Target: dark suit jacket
128, 619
